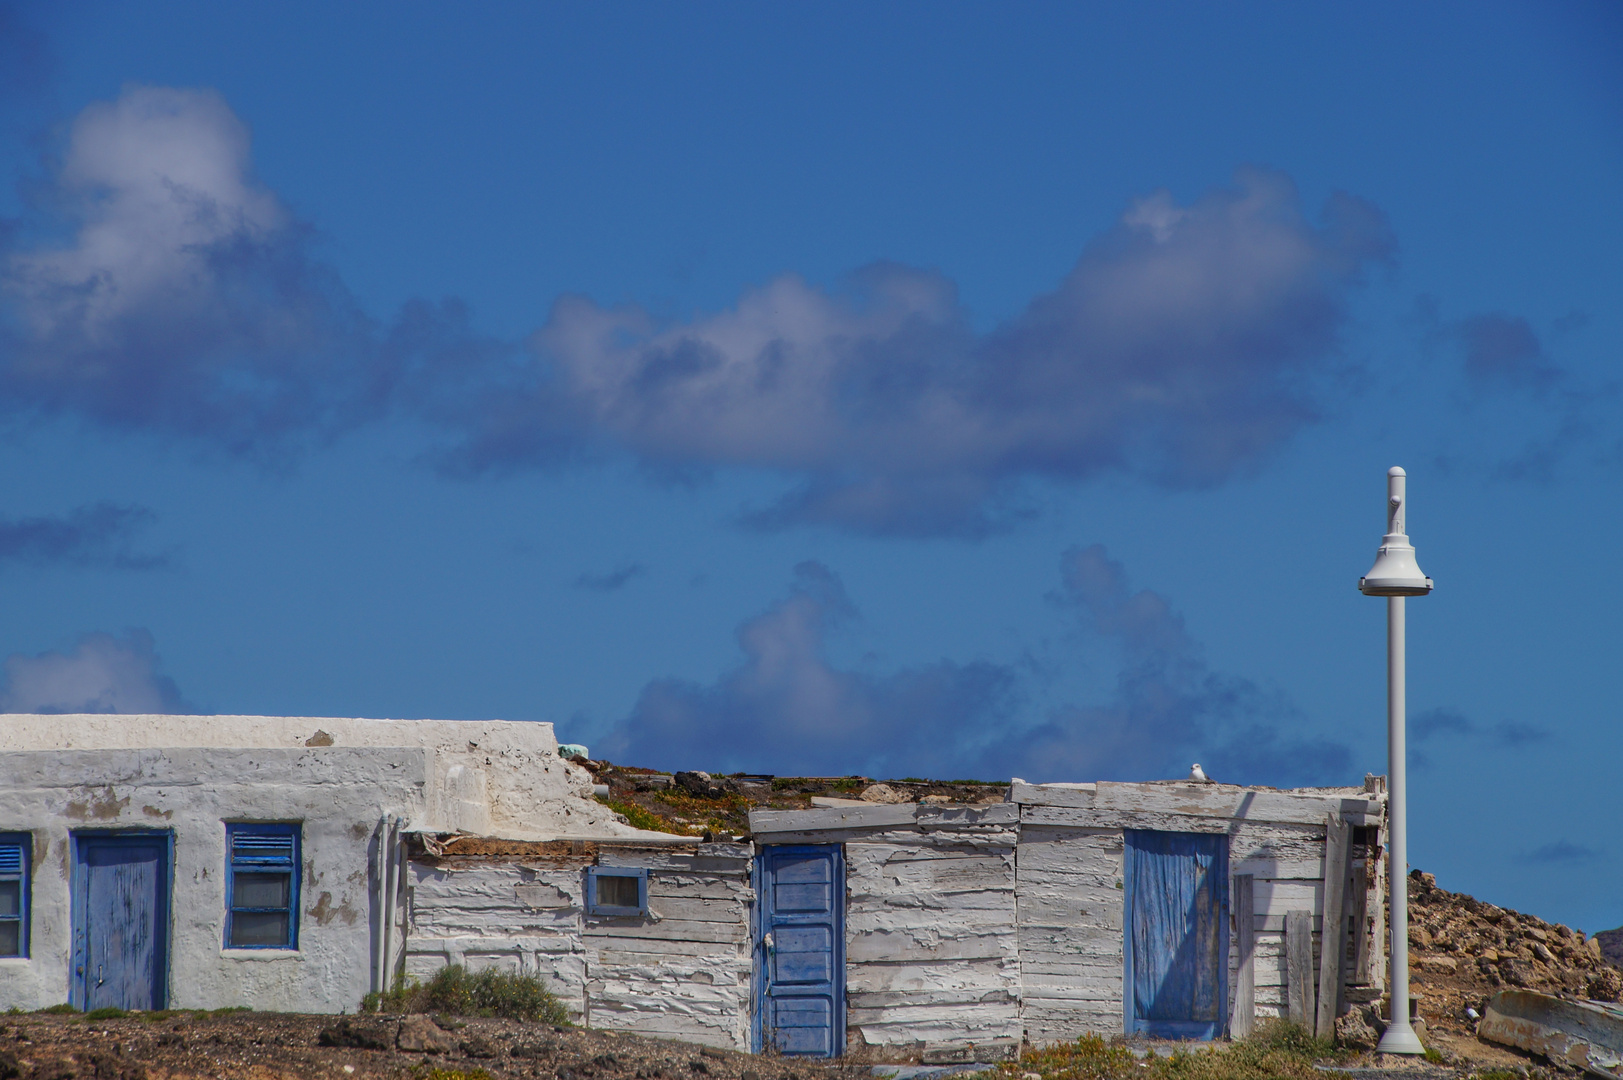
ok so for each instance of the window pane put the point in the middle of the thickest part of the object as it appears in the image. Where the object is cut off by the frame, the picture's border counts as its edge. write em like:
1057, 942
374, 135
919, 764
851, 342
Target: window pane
617, 891
249, 928
11, 937
11, 898
259, 890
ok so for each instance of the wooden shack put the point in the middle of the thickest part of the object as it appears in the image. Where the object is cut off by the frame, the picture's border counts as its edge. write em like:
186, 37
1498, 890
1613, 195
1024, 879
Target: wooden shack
1169, 909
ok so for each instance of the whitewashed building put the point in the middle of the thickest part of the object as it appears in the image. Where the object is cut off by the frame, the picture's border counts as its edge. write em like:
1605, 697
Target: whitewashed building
298, 863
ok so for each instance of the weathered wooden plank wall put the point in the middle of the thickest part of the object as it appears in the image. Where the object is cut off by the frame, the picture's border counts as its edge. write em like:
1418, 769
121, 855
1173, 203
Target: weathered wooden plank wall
483, 914
683, 971
931, 950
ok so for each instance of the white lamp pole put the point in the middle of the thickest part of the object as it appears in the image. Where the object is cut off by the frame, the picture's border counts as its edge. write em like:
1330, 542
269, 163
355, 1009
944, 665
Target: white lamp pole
1395, 576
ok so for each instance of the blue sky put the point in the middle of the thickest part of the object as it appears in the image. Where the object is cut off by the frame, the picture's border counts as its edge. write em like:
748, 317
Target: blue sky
911, 389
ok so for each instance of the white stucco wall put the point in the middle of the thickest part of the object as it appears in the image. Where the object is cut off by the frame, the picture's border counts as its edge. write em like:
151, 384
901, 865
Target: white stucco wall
485, 777
189, 775
336, 794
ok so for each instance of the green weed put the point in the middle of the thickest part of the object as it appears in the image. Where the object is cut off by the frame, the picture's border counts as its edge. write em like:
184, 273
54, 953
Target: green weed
108, 1012
455, 992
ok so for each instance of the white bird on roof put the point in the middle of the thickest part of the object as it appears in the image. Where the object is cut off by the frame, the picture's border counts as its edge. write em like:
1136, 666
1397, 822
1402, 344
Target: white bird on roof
1198, 775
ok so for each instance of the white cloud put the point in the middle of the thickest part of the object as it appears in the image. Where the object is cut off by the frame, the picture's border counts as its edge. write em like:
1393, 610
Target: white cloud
102, 674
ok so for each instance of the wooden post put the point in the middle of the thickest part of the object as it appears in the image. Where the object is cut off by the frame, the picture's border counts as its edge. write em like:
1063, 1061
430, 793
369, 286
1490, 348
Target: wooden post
1358, 919
1333, 930
1245, 976
1299, 967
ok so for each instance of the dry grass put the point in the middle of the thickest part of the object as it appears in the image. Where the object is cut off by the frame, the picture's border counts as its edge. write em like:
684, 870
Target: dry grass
1278, 1051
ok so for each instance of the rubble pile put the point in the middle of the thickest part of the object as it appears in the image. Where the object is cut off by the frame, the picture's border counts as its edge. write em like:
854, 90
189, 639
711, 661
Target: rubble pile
1462, 950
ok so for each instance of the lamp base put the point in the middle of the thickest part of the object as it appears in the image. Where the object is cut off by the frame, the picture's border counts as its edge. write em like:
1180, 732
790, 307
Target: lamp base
1400, 1039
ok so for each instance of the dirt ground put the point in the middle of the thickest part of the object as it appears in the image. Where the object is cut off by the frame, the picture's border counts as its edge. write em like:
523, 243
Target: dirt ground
279, 1046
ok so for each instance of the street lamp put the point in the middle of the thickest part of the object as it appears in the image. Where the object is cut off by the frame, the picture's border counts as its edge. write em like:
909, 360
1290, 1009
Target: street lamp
1395, 576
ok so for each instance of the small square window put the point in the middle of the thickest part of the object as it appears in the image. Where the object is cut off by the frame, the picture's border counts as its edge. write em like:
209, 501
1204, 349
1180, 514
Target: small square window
614, 890
14, 851
262, 887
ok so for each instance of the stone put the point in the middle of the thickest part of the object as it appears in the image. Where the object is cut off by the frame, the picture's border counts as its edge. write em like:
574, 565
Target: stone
358, 1032
420, 1035
1538, 935
1543, 952
881, 793
1439, 963
699, 784
1606, 984
936, 800
1357, 1030
1419, 937
1516, 971
480, 1047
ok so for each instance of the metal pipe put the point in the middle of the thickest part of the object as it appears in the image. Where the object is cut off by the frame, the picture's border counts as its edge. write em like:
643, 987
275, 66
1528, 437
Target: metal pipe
391, 876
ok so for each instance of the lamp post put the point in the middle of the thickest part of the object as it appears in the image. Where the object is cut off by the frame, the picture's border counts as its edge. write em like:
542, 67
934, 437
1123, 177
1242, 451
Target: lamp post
1395, 576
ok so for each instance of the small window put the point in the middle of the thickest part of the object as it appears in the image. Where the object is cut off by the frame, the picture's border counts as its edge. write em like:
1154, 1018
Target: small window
262, 887
613, 890
14, 851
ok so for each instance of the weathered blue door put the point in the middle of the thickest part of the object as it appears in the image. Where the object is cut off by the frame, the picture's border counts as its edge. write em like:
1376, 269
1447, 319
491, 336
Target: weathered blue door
800, 950
1176, 934
120, 920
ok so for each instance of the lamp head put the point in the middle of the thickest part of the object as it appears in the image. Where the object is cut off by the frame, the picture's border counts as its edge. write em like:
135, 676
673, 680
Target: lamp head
1395, 572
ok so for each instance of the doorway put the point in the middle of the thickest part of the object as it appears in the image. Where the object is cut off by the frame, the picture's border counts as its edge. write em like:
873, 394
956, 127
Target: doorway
1176, 934
121, 883
800, 950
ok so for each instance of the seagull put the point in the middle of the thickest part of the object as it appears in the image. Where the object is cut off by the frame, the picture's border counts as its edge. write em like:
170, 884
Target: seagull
1197, 775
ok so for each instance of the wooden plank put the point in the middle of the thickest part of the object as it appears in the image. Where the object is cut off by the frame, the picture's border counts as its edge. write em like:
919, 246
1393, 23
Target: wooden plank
1299, 967
1280, 897
1333, 946
1080, 795
764, 823
1358, 917
1229, 802
665, 930
1245, 980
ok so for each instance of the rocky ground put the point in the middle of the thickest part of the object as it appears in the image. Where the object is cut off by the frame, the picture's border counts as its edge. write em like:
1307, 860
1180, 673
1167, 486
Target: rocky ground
697, 803
276, 1046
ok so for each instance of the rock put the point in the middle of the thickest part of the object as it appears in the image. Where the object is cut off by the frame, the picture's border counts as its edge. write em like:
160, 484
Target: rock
1516, 971
1439, 963
699, 784
1489, 955
420, 1035
1422, 880
1357, 1030
881, 793
1537, 935
1419, 937
1543, 952
1606, 984
359, 1032
480, 1047
936, 800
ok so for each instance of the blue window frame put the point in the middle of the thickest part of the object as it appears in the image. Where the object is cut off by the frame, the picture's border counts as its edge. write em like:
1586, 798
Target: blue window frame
14, 851
262, 886
616, 890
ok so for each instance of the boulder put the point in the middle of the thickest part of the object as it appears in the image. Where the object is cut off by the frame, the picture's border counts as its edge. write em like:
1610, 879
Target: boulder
882, 793
421, 1035
1359, 1029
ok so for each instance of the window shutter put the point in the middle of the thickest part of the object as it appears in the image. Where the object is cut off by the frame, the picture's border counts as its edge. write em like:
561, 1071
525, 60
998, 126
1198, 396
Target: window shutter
262, 850
11, 860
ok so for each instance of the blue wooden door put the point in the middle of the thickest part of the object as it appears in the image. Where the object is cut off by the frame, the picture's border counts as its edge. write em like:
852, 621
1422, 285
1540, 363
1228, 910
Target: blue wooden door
800, 950
120, 920
1176, 934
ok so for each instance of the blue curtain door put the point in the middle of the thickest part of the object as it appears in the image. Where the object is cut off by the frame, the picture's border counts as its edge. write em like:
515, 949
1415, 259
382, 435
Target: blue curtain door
1176, 934
120, 921
800, 950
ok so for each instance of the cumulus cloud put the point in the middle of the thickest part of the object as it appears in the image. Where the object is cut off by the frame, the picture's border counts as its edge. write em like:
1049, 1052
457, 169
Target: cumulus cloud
612, 581
1180, 348
786, 708
1503, 352
99, 534
185, 301
1562, 851
100, 674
